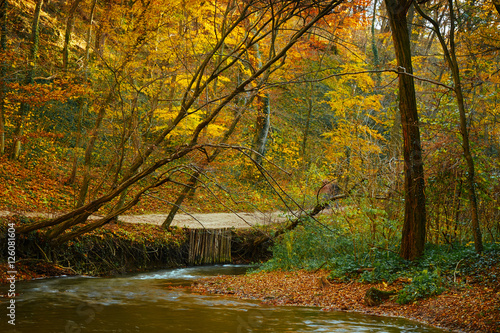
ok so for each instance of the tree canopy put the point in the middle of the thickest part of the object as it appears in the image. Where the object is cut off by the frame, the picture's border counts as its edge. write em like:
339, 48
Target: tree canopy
178, 100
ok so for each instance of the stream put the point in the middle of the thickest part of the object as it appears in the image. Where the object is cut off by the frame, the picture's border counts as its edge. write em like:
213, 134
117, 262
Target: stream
152, 302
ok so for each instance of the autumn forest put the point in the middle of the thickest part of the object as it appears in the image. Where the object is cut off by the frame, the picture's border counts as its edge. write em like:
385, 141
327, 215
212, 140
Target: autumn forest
384, 113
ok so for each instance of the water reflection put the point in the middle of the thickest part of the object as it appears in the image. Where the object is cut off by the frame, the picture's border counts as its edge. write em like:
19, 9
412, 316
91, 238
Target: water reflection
150, 302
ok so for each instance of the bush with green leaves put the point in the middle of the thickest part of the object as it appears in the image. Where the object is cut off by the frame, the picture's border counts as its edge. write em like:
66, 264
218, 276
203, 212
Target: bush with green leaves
328, 245
352, 255
310, 246
424, 284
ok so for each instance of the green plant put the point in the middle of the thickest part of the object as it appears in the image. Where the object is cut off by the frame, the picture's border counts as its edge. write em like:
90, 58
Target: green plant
423, 285
311, 246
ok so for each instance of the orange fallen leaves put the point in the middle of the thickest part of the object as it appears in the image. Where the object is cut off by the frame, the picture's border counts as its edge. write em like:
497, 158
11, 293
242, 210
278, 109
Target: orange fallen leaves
474, 308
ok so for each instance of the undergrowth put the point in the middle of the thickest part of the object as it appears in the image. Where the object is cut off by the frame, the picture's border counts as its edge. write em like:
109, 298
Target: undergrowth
359, 256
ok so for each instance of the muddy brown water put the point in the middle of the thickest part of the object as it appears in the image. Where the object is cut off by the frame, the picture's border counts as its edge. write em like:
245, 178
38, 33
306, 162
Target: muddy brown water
149, 302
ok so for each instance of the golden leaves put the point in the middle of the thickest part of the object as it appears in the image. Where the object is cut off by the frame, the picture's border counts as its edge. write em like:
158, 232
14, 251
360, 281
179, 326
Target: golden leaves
37, 94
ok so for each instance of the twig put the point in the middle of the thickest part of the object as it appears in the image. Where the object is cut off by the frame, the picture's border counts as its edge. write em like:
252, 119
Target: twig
46, 258
320, 267
455, 272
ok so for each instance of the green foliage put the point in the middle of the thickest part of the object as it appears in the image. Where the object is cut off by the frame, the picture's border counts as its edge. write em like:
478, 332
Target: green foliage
342, 242
349, 255
308, 247
386, 267
423, 285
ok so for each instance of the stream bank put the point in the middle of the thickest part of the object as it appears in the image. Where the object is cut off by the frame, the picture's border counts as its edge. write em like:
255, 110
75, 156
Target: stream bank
473, 307
115, 249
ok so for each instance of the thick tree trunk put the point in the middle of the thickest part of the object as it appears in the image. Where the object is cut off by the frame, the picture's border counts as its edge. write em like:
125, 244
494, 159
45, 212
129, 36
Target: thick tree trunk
23, 108
413, 234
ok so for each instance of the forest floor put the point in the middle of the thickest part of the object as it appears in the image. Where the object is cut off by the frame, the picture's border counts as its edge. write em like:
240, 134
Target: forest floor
473, 307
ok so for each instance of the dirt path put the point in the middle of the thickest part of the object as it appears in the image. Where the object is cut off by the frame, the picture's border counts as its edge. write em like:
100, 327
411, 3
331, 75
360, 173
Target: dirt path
194, 221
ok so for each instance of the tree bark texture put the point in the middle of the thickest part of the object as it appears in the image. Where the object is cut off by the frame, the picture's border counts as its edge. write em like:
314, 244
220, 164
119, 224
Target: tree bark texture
414, 227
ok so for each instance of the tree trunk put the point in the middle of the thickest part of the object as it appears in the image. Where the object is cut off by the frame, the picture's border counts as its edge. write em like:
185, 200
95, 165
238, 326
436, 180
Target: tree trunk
89, 34
307, 126
413, 234
262, 126
464, 131
72, 178
451, 58
23, 108
69, 28
191, 185
3, 47
193, 91
376, 57
90, 148
180, 199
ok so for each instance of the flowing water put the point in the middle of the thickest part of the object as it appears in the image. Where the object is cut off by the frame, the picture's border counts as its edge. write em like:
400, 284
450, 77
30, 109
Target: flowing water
151, 302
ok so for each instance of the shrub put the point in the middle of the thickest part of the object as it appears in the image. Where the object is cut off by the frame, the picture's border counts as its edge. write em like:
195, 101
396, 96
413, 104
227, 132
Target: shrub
423, 285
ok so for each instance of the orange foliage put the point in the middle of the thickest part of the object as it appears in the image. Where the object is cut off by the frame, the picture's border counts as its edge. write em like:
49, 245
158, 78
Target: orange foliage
470, 309
37, 188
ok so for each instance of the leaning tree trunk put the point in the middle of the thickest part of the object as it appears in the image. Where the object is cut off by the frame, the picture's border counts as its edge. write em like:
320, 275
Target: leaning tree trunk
413, 234
90, 149
451, 58
190, 187
193, 91
24, 107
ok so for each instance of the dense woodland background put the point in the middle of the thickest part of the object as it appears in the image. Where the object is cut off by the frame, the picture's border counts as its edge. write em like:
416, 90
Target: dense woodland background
111, 106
